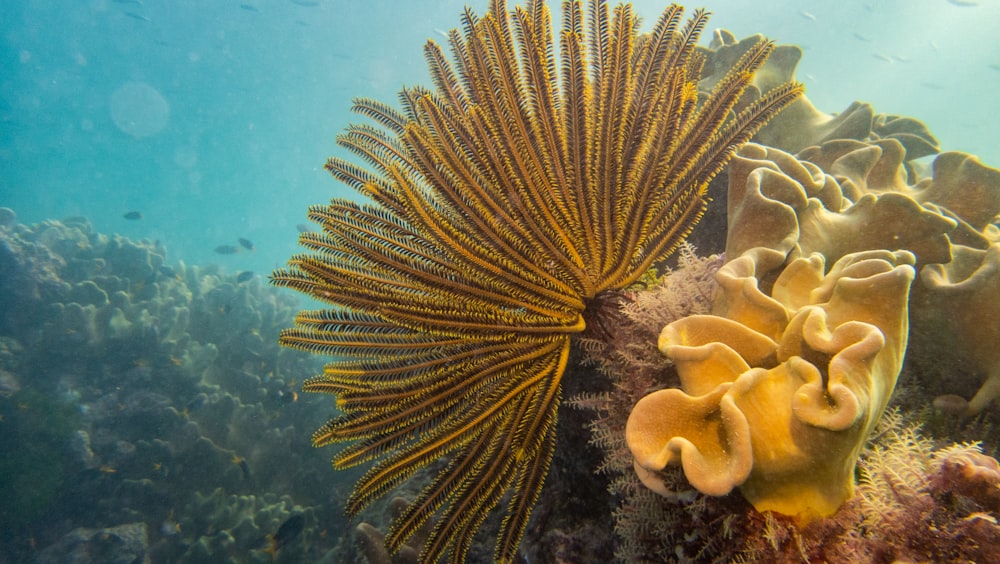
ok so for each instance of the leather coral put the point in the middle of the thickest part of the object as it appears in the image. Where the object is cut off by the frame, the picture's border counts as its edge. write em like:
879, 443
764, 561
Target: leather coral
847, 195
782, 385
779, 393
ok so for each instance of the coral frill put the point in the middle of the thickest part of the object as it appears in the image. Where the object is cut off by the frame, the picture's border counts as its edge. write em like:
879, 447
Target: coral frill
779, 392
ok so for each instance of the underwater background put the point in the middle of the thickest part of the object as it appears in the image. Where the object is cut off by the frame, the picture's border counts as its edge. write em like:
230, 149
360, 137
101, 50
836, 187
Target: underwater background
156, 163
235, 105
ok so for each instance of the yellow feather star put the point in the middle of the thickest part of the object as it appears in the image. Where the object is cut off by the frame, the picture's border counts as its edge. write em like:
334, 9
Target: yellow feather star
497, 206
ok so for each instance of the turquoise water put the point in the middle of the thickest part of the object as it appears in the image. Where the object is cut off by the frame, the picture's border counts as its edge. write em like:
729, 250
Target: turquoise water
255, 92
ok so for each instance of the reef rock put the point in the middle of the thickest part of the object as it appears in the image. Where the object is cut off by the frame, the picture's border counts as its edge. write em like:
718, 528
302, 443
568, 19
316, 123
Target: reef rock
124, 544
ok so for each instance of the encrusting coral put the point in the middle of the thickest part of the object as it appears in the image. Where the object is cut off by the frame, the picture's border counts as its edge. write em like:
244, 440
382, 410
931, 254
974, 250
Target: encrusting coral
779, 392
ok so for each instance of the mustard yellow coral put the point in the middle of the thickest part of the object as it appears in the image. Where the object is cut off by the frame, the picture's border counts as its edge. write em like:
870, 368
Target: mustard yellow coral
779, 392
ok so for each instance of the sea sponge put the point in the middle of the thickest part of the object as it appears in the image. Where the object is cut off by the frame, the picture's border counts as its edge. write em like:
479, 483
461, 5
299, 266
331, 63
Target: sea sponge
779, 392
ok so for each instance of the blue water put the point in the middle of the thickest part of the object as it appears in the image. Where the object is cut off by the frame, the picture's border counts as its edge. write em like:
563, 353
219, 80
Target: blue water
257, 91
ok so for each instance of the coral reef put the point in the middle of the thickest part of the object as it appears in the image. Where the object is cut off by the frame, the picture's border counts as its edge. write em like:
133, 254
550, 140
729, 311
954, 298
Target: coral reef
147, 413
235, 528
853, 186
35, 426
137, 393
787, 218
123, 544
913, 502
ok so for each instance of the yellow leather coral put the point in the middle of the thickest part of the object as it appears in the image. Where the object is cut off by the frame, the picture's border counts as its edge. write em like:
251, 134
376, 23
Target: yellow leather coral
946, 219
779, 392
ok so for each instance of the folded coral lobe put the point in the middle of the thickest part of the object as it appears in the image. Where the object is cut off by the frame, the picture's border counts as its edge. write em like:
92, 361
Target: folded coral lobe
782, 417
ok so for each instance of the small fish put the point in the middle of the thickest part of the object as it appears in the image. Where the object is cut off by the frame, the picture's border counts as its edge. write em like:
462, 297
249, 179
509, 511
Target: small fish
170, 528
964, 3
244, 467
246, 244
139, 17
860, 37
136, 2
932, 85
994, 66
287, 532
227, 250
306, 3
249, 7
244, 276
133, 215
288, 396
303, 228
882, 57
807, 15
441, 32
933, 45
901, 58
